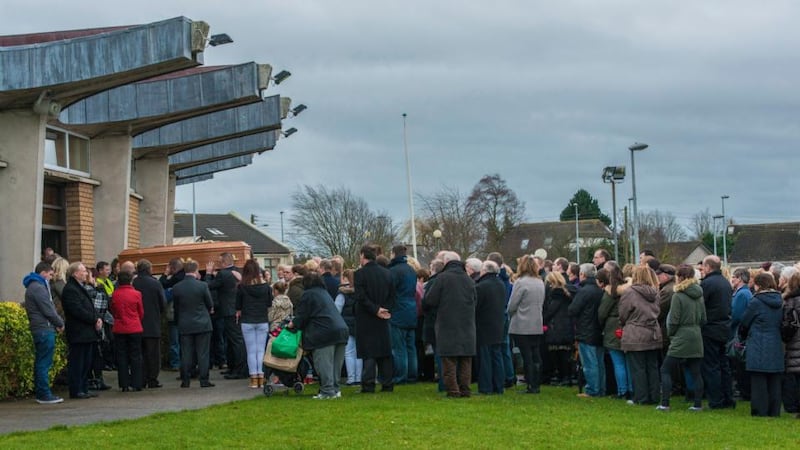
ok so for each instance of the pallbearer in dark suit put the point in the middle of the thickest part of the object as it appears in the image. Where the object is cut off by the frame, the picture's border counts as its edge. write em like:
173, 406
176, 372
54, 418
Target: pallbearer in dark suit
193, 305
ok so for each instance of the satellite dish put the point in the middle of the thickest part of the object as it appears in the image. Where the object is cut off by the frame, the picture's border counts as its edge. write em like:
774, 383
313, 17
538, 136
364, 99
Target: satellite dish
541, 253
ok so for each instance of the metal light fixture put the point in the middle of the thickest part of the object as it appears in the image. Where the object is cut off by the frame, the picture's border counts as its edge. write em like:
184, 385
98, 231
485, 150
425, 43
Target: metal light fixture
289, 132
281, 76
636, 147
614, 175
219, 39
298, 109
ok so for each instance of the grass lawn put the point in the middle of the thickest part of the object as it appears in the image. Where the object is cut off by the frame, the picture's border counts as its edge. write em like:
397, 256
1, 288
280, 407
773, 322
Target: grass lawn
417, 416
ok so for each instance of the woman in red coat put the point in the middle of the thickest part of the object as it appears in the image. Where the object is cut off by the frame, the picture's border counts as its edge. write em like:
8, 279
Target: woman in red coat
128, 311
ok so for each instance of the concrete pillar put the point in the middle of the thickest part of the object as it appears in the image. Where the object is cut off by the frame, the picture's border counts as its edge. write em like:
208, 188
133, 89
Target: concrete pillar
22, 138
152, 181
111, 166
171, 208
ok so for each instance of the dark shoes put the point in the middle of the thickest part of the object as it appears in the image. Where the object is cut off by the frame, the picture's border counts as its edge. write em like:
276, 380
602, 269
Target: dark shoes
184, 384
154, 384
387, 389
206, 385
81, 396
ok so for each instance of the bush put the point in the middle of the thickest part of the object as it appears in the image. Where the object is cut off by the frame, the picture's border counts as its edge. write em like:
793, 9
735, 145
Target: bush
17, 352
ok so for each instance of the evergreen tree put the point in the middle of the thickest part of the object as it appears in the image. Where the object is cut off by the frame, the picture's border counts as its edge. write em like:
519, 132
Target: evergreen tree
587, 208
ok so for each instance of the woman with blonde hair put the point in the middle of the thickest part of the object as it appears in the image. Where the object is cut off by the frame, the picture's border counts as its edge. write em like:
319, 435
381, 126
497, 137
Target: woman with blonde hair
60, 266
526, 321
560, 335
641, 334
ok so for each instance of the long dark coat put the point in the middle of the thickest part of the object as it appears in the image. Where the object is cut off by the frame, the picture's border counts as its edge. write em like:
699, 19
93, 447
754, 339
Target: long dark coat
717, 293
790, 302
761, 323
154, 302
373, 289
453, 294
490, 311
79, 313
560, 329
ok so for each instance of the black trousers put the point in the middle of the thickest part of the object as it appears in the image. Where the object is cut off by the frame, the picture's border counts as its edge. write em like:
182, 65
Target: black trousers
530, 348
765, 394
129, 360
790, 392
369, 371
644, 375
717, 376
79, 359
235, 352
669, 366
151, 360
195, 347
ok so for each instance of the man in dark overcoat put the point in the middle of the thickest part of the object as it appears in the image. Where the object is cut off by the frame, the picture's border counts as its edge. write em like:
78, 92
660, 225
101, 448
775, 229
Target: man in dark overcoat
375, 296
155, 304
490, 313
453, 294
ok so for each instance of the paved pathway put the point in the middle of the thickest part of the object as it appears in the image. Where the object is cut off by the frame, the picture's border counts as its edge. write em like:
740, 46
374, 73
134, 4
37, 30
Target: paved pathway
27, 415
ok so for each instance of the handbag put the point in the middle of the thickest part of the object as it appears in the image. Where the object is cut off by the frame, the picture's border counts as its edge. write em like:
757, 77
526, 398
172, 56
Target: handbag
737, 348
287, 343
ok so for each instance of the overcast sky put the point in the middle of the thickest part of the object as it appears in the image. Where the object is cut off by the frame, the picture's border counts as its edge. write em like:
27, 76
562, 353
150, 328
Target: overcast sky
544, 93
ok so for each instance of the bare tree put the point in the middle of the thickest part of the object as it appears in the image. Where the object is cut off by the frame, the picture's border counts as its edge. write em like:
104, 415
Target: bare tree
334, 221
498, 207
657, 228
701, 223
458, 220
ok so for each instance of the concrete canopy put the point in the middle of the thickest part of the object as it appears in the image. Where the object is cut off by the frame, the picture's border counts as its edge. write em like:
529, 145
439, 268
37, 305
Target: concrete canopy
138, 107
196, 179
210, 128
244, 145
214, 167
67, 66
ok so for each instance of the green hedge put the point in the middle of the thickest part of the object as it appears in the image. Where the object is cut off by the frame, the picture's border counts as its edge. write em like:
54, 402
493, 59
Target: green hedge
17, 352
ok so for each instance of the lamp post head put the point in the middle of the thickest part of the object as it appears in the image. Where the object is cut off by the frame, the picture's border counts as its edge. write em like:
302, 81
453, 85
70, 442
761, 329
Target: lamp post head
613, 174
726, 197
437, 233
637, 146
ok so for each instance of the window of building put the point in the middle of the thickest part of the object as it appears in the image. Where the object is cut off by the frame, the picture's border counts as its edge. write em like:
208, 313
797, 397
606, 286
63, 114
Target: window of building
66, 151
54, 221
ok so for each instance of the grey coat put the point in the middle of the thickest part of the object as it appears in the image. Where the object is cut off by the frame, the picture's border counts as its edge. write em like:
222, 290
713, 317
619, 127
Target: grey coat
192, 301
525, 306
453, 294
41, 311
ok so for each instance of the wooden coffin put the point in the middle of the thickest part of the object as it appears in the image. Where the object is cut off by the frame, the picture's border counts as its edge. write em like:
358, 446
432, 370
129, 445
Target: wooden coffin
202, 252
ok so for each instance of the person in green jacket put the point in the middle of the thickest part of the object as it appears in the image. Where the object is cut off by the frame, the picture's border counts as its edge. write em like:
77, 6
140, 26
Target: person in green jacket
686, 315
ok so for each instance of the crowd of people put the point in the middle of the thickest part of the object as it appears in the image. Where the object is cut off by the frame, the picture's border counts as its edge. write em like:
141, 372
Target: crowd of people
699, 331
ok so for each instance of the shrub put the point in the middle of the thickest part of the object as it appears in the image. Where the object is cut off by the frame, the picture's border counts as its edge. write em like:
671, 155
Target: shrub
17, 352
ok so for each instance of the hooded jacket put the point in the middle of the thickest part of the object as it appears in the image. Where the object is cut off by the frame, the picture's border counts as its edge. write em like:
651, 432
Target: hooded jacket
41, 310
404, 313
608, 315
761, 323
792, 302
638, 315
254, 301
687, 314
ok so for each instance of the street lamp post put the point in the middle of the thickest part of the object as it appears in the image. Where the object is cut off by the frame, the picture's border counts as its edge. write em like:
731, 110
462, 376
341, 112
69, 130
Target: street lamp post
194, 217
630, 219
282, 239
577, 236
614, 175
724, 232
410, 194
715, 232
635, 148
437, 236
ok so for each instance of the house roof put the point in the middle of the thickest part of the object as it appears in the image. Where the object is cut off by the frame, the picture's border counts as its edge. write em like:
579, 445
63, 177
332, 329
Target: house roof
766, 242
677, 252
528, 237
228, 227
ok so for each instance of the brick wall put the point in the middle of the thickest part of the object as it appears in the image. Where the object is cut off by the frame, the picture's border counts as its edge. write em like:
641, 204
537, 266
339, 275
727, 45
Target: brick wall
80, 222
133, 222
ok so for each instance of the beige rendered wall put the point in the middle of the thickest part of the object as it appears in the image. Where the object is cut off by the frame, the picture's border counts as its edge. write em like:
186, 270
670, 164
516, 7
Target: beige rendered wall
111, 166
152, 182
22, 137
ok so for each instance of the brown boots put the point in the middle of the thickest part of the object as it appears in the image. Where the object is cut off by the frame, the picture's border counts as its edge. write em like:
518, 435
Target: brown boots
257, 381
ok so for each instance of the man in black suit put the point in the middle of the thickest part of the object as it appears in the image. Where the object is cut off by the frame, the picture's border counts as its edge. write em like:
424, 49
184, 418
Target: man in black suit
374, 294
223, 284
192, 301
155, 305
82, 325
